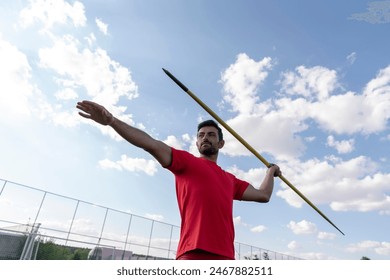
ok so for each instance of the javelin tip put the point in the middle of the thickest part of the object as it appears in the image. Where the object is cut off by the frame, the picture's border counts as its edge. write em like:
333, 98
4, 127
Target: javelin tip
180, 84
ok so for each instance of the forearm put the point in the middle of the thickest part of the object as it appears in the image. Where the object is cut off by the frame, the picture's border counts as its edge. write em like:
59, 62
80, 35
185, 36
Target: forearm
264, 192
132, 135
158, 149
267, 186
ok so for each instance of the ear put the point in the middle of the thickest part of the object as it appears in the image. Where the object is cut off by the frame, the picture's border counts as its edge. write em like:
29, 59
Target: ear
221, 144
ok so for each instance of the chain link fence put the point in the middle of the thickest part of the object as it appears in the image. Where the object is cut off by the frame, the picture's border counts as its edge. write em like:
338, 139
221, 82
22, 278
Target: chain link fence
36, 224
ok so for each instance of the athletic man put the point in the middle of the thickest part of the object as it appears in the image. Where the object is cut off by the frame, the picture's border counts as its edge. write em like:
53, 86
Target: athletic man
205, 192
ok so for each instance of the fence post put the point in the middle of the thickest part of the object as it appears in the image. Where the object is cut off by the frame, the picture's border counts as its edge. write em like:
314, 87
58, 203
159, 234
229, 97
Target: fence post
170, 242
150, 238
71, 223
127, 235
5, 182
40, 207
29, 245
104, 223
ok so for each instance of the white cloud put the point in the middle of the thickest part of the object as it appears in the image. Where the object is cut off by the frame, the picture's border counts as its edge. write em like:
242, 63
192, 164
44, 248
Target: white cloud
149, 167
314, 256
177, 143
78, 70
253, 175
91, 39
66, 119
16, 88
302, 227
342, 184
156, 217
342, 147
258, 229
52, 12
241, 81
310, 138
312, 83
82, 70
103, 27
352, 113
103, 79
308, 94
276, 130
66, 94
351, 58
294, 245
139, 165
109, 164
273, 133
20, 97
326, 235
377, 12
237, 220
381, 248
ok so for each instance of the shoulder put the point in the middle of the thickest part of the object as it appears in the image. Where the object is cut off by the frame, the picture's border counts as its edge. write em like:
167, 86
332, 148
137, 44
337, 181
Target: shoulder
182, 153
180, 160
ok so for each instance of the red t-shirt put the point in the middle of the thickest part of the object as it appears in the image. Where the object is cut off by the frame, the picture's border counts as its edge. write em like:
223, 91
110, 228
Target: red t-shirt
205, 194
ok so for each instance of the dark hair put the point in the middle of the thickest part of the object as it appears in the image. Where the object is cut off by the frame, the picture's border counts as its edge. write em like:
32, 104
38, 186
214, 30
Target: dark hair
214, 124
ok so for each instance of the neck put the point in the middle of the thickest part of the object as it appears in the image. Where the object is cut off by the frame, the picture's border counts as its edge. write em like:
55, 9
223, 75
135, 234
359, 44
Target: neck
212, 158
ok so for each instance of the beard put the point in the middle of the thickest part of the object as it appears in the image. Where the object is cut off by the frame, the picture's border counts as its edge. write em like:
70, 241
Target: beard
209, 151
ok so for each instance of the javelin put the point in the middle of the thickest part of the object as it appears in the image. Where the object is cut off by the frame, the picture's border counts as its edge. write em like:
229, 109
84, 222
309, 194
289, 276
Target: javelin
246, 144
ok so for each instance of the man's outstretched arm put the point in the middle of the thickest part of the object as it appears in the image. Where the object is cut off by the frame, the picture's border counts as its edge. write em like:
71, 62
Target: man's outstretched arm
159, 150
263, 194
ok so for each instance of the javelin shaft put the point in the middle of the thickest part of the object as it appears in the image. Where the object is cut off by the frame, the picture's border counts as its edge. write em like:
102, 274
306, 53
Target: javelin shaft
246, 144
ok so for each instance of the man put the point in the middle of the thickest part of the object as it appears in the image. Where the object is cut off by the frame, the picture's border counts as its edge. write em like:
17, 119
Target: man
205, 192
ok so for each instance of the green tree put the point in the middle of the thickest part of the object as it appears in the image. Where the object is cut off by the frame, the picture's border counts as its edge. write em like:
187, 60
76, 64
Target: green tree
48, 250
80, 254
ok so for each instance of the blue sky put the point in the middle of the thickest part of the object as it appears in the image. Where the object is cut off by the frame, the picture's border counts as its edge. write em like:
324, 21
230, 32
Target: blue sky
306, 83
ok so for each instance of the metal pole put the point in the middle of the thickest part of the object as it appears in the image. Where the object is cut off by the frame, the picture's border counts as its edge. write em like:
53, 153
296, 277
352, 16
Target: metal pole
150, 238
5, 182
71, 223
127, 235
40, 207
170, 241
246, 144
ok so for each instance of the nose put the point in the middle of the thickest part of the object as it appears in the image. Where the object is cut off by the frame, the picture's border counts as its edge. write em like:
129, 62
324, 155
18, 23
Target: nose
204, 138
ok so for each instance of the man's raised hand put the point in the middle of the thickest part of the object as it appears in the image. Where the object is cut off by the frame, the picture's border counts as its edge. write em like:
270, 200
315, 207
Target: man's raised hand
96, 112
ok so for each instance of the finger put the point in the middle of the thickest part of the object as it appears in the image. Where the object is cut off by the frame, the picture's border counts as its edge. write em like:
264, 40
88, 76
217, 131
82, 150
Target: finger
88, 103
82, 106
84, 115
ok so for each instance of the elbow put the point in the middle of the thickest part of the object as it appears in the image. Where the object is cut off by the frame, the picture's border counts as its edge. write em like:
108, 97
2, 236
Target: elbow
263, 199
266, 200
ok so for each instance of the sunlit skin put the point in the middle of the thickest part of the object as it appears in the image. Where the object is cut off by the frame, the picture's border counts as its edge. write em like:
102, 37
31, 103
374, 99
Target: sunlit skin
208, 143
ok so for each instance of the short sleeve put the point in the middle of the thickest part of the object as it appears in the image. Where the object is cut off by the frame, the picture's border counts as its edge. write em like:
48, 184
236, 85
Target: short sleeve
240, 187
179, 161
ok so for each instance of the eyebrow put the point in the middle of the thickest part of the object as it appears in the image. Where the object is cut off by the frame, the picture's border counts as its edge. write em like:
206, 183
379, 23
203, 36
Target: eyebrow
208, 133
